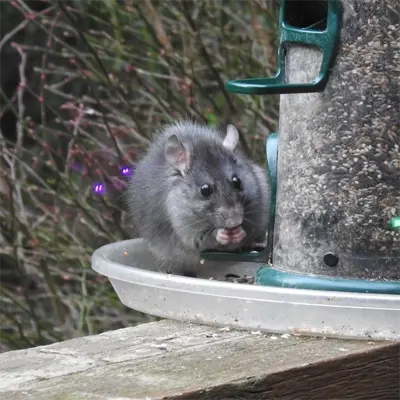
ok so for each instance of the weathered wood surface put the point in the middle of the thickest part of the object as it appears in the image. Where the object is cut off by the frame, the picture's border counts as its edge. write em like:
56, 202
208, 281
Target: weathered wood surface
172, 360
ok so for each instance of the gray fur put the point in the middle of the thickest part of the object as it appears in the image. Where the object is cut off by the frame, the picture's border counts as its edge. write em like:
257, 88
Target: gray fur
169, 211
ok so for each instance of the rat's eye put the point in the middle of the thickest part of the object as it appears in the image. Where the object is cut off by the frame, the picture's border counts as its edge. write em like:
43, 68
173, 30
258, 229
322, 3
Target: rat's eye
206, 190
236, 183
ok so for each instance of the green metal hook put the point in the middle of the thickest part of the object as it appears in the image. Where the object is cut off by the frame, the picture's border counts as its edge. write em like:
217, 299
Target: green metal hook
326, 40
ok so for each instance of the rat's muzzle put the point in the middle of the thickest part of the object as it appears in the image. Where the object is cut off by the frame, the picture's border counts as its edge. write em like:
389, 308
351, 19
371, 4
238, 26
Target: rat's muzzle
233, 217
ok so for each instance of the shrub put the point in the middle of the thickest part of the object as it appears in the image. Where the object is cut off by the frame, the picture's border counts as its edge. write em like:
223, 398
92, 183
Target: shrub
96, 79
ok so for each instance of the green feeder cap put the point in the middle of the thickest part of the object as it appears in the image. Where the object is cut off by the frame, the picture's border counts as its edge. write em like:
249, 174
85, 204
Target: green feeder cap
394, 223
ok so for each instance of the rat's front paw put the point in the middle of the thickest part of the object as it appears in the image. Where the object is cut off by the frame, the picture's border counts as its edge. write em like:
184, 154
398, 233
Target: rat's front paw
237, 235
223, 237
230, 235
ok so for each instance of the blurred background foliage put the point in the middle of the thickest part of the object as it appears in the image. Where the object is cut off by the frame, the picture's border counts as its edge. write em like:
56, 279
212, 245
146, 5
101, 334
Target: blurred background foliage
84, 87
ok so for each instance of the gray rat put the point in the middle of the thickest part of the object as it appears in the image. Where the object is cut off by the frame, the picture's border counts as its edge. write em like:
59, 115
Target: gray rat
194, 191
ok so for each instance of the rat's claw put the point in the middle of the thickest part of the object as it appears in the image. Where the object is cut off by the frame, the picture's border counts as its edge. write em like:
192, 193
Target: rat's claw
238, 236
222, 236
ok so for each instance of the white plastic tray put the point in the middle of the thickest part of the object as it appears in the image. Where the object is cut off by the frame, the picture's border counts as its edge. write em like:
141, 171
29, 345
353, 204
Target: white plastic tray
133, 273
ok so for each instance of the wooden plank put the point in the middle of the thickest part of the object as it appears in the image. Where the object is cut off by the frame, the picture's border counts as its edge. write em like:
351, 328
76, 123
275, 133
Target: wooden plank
173, 360
372, 375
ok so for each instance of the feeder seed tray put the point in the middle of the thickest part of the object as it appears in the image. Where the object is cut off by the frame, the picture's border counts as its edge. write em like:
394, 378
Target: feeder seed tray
132, 271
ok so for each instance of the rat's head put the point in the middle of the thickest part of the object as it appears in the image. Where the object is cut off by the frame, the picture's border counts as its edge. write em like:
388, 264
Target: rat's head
212, 182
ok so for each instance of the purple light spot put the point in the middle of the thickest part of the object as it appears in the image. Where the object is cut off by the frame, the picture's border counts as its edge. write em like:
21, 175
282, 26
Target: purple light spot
98, 188
125, 171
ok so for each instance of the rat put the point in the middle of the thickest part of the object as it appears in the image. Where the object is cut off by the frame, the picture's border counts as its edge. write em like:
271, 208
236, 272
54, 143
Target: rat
193, 191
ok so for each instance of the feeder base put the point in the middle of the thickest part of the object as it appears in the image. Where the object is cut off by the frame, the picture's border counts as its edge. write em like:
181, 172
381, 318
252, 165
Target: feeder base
268, 276
134, 275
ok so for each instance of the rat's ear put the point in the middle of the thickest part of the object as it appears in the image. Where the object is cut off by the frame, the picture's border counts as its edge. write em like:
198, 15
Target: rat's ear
177, 154
232, 138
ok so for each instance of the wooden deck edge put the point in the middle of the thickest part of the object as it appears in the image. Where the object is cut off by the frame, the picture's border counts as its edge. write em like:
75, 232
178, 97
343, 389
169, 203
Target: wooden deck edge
369, 375
173, 360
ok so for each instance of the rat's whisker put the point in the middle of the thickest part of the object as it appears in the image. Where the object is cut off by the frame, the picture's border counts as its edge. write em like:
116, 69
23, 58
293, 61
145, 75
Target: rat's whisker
196, 223
250, 211
251, 223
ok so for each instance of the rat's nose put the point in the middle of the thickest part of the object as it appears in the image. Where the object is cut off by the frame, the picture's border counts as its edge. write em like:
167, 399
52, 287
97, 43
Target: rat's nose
234, 217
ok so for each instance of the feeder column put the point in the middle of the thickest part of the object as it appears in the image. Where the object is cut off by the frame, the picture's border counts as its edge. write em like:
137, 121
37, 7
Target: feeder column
339, 158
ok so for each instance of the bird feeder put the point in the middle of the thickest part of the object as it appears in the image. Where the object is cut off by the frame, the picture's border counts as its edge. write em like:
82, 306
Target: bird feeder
338, 171
332, 262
